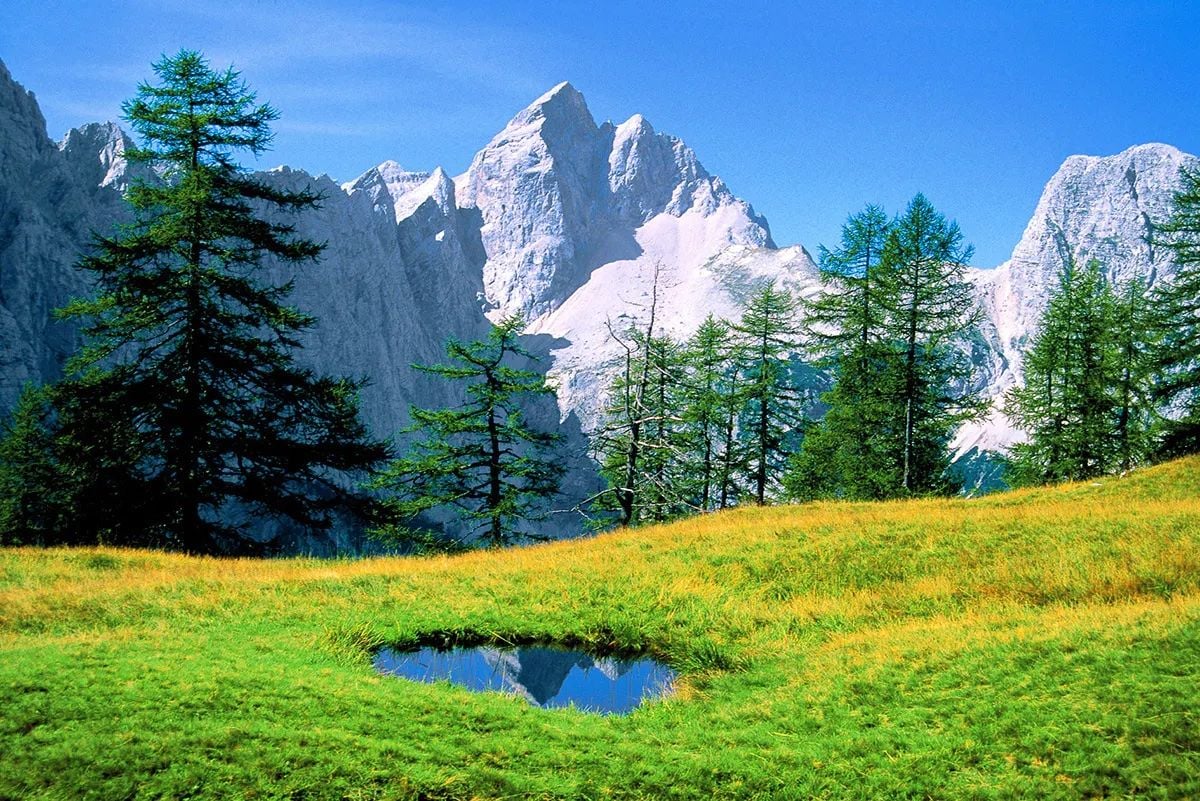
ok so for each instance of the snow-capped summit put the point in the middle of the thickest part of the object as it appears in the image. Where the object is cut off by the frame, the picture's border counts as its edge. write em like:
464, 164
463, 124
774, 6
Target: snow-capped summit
539, 189
574, 217
651, 173
559, 109
1106, 209
436, 188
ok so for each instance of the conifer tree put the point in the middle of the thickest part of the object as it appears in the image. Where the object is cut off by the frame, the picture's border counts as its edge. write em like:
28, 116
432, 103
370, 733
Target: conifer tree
853, 451
849, 313
850, 452
932, 306
664, 478
1090, 392
481, 458
1039, 406
188, 351
1177, 310
709, 404
32, 485
102, 495
769, 333
1135, 339
733, 462
619, 441
1068, 404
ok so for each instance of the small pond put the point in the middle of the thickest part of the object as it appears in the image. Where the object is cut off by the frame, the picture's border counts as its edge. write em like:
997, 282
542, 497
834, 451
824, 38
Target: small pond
545, 676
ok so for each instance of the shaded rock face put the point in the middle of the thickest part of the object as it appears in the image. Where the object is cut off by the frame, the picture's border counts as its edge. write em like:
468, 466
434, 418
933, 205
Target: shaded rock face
561, 219
51, 200
372, 290
372, 296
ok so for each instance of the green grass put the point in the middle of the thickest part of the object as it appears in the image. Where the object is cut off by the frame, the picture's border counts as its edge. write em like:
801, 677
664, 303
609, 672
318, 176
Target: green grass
1036, 644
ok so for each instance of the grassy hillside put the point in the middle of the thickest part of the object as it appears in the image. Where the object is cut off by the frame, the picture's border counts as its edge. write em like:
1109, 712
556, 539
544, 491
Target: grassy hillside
1033, 644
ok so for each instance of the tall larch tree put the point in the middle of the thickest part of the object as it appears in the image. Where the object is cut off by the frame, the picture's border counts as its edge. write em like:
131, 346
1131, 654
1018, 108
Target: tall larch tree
664, 478
709, 405
1068, 403
1040, 405
846, 454
628, 442
769, 333
933, 306
188, 346
32, 483
850, 312
1135, 337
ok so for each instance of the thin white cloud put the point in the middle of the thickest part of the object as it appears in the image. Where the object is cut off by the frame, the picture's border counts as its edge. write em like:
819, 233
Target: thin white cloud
377, 78
334, 70
275, 38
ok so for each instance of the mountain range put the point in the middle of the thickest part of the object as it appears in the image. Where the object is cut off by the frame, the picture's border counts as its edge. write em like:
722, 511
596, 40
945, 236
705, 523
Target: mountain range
561, 219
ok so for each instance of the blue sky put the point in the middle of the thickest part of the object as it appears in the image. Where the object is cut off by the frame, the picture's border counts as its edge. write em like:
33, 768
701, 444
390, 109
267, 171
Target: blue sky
807, 110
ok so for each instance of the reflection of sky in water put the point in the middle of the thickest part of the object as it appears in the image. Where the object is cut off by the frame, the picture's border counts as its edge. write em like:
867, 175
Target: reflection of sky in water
546, 677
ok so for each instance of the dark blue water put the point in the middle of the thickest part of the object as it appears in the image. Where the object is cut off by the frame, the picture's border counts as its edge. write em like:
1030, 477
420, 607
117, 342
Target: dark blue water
546, 677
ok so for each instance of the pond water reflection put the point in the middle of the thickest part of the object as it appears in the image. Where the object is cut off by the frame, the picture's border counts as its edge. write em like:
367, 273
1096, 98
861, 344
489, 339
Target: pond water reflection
545, 676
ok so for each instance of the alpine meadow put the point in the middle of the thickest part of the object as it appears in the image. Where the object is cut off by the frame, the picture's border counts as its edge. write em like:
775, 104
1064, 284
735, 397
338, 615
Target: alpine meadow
549, 473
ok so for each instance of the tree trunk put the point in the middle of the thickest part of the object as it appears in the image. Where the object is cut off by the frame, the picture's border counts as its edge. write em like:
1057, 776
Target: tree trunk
494, 469
190, 413
910, 383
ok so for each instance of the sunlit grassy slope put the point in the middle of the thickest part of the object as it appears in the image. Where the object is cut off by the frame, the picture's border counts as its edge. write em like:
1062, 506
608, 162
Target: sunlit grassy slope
1036, 644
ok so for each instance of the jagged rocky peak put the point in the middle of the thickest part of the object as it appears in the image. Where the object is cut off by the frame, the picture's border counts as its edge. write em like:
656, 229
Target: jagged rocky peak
23, 138
386, 185
559, 196
652, 173
397, 191
649, 173
1104, 208
47, 213
1094, 207
437, 187
540, 187
556, 115
96, 152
